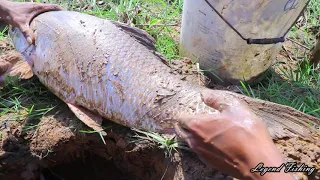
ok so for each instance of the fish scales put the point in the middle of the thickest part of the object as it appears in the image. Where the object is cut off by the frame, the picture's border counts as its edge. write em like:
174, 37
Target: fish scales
107, 71
113, 70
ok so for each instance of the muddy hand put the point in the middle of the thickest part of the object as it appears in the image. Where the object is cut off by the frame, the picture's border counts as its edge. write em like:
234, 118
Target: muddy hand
20, 15
234, 140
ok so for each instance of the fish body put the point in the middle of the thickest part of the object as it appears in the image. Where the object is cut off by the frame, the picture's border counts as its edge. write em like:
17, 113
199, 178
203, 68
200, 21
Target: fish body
102, 70
92, 63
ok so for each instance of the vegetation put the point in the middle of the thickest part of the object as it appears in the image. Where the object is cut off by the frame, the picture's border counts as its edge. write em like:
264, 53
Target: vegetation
287, 83
297, 83
166, 143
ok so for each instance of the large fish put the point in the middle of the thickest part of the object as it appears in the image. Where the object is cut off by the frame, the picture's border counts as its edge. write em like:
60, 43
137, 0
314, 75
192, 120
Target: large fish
104, 69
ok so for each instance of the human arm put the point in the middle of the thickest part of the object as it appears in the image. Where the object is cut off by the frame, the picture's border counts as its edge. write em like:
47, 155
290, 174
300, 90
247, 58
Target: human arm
233, 140
20, 14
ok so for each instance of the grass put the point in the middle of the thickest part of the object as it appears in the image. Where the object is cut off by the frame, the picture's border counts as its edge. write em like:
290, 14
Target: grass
92, 132
157, 17
3, 33
25, 103
164, 142
311, 25
295, 86
300, 90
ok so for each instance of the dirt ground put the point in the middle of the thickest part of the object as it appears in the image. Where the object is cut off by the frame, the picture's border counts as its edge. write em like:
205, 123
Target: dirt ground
57, 150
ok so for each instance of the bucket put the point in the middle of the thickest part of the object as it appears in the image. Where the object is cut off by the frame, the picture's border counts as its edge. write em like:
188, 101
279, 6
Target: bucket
236, 40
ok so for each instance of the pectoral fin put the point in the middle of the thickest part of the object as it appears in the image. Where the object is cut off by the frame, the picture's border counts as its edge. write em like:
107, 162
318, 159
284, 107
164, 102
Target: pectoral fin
90, 119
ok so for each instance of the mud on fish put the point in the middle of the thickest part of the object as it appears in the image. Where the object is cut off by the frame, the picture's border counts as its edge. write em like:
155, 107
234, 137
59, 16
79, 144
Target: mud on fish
101, 70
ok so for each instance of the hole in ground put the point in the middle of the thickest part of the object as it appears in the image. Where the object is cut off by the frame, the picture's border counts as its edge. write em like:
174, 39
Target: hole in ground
91, 167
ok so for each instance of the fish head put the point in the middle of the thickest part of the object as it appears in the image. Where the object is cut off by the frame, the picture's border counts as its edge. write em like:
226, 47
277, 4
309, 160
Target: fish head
21, 44
19, 41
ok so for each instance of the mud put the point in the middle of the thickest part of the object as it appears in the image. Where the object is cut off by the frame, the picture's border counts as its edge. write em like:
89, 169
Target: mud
56, 144
58, 149
99, 169
15, 61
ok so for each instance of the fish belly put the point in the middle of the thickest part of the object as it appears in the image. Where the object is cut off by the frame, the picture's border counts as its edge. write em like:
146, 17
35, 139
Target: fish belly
92, 63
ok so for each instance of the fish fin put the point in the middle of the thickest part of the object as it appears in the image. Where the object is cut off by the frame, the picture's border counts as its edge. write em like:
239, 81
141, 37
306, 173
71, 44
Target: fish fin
282, 121
90, 119
142, 36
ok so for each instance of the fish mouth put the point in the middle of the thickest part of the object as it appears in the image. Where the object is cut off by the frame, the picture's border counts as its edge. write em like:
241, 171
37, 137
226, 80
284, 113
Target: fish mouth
19, 41
21, 44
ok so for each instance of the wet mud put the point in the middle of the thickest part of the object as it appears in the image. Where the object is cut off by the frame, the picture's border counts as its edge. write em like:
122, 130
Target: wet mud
59, 149
56, 150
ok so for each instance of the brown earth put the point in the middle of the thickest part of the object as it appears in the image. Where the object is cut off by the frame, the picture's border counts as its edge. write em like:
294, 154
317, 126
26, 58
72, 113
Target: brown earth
56, 146
56, 149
